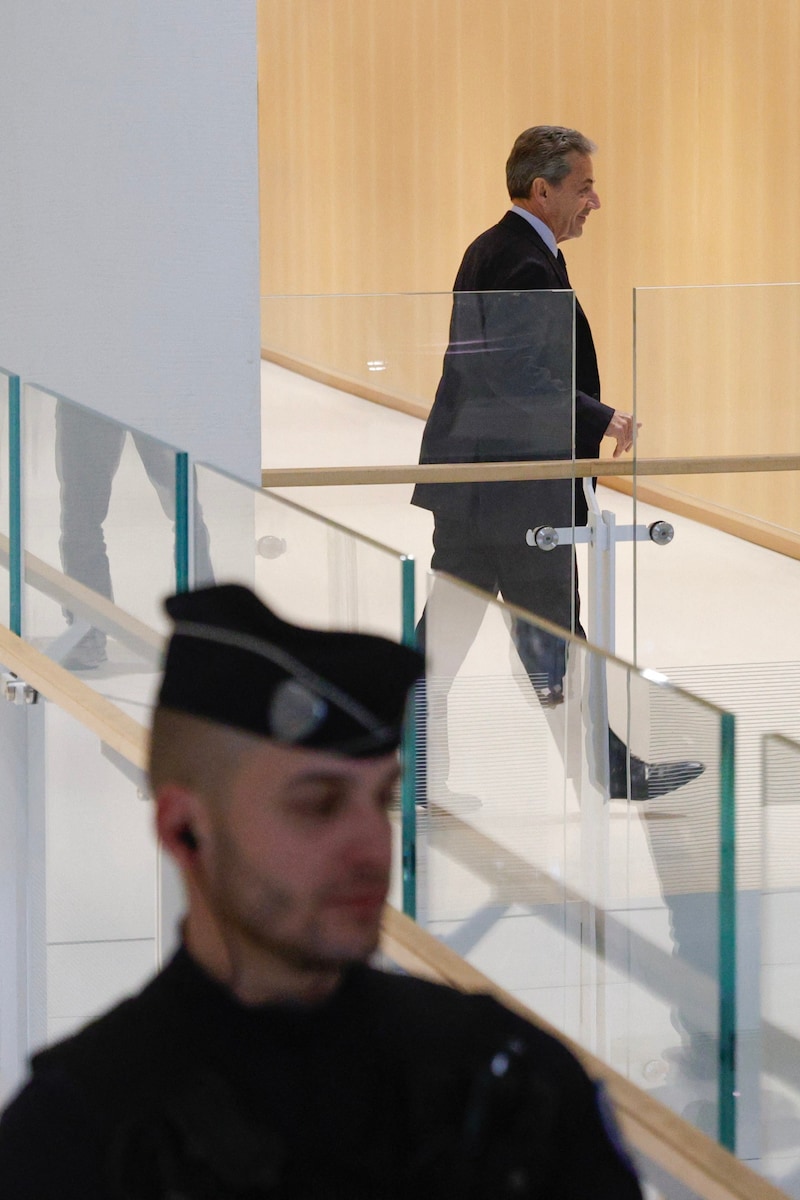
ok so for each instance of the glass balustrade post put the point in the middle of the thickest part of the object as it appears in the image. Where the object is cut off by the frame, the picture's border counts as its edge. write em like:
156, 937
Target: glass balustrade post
409, 756
181, 521
727, 937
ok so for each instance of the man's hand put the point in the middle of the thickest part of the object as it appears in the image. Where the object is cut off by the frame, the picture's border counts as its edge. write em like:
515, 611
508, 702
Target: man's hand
621, 427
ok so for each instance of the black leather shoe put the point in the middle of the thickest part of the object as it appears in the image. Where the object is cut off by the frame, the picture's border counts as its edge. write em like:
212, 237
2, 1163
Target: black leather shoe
650, 780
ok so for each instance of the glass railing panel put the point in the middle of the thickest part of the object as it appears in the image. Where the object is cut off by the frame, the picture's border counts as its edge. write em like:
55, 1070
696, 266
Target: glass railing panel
710, 608
325, 354
315, 571
96, 917
318, 573
493, 380
779, 1093
674, 606
499, 365
92, 877
99, 503
711, 365
605, 916
710, 369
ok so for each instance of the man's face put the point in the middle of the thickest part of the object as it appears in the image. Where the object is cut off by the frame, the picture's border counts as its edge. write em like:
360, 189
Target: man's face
299, 852
568, 203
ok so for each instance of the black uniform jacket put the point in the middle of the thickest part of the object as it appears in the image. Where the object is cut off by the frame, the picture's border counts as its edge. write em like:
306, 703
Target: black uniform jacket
393, 1088
507, 382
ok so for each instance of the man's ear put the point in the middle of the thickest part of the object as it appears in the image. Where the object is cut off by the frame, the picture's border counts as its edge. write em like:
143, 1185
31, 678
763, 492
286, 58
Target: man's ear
539, 189
178, 817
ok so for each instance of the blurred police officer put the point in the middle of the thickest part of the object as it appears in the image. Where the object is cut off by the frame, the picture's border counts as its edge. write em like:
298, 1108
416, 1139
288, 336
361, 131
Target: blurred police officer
267, 1059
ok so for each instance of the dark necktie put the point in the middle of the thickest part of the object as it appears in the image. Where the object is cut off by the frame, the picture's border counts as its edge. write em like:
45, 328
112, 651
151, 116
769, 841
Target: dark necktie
563, 265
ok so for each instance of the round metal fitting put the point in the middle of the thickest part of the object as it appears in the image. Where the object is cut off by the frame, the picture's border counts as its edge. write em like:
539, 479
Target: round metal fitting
661, 532
655, 1071
270, 546
546, 537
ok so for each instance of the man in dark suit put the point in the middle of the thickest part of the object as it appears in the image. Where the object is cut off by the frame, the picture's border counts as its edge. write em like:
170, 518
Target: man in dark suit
506, 393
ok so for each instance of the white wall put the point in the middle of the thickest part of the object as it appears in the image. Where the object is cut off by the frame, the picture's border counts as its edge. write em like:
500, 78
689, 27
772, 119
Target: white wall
129, 214
23, 998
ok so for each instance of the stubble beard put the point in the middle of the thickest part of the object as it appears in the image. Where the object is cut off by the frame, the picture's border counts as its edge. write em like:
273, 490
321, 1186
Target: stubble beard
262, 920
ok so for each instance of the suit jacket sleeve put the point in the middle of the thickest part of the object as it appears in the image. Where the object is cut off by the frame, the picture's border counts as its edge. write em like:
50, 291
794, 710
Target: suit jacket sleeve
532, 274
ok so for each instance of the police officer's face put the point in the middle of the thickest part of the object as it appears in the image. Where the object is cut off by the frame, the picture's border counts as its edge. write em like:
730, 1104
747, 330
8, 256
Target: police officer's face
299, 853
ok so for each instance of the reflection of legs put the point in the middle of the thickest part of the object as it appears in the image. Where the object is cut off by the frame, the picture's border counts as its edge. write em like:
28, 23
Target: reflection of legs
685, 854
545, 583
159, 463
490, 553
203, 570
450, 627
88, 451
447, 629
547, 587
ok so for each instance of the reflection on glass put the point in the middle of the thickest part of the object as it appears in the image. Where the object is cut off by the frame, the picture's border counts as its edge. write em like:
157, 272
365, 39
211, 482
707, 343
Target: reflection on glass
499, 364
99, 540
602, 913
506, 393
316, 572
86, 497
507, 380
386, 347
494, 373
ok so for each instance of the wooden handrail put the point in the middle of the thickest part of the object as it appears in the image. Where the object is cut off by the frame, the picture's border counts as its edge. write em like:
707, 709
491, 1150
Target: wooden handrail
84, 602
686, 1154
56, 683
666, 1139
472, 472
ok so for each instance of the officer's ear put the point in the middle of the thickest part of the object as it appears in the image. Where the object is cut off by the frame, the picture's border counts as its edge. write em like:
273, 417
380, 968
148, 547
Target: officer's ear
179, 817
189, 838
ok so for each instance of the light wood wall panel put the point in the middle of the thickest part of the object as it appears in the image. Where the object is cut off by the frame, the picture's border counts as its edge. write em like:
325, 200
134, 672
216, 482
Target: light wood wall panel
384, 131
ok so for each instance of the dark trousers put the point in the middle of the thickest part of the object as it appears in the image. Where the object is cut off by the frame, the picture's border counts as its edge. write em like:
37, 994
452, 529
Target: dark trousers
544, 583
480, 552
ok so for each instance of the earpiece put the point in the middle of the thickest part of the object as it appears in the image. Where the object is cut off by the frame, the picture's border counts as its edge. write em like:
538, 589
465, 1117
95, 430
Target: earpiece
187, 836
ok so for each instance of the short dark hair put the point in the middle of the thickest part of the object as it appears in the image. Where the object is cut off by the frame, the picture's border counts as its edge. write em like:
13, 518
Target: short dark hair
542, 152
195, 753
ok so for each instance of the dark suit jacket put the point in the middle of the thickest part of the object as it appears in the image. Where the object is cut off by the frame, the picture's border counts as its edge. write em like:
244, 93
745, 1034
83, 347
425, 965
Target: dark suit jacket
506, 387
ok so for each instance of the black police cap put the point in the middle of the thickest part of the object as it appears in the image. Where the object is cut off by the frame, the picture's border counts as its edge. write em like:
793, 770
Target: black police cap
232, 660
